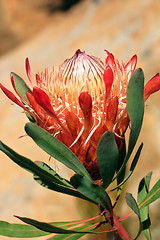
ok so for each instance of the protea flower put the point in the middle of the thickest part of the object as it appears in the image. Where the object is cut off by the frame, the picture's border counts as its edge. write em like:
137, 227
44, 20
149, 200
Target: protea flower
85, 99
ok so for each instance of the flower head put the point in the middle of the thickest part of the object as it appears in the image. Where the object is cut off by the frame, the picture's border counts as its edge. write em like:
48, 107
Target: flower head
85, 99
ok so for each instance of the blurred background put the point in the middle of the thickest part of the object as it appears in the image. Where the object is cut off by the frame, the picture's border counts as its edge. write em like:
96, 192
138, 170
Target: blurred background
48, 32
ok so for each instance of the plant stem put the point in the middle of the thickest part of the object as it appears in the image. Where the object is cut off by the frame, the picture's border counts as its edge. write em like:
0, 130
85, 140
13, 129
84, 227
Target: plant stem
115, 222
120, 229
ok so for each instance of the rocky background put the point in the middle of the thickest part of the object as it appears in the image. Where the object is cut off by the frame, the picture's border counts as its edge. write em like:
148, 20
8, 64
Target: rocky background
48, 32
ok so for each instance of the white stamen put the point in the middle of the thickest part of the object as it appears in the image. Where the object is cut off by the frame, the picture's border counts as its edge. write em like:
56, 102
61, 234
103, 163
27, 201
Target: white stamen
80, 133
93, 130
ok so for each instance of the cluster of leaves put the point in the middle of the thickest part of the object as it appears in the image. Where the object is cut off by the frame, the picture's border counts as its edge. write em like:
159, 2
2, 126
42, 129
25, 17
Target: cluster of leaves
112, 166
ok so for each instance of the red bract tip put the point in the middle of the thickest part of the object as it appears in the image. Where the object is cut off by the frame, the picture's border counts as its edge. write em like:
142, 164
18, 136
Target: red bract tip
131, 65
13, 98
108, 80
110, 59
43, 100
37, 79
13, 84
152, 86
28, 71
10, 95
109, 54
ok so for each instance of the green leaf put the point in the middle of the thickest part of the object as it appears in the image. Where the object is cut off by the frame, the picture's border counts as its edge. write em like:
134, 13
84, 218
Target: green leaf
30, 117
133, 165
151, 196
121, 159
20, 86
68, 236
60, 188
20, 230
92, 191
28, 165
107, 157
28, 231
55, 148
50, 227
135, 105
43, 174
133, 205
72, 236
58, 178
144, 212
147, 180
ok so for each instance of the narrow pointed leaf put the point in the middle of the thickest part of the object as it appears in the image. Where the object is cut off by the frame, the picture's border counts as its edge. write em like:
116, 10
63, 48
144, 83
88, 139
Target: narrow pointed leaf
133, 165
147, 180
50, 228
31, 118
20, 230
133, 205
135, 105
59, 179
92, 191
60, 188
67, 236
72, 236
107, 157
121, 159
43, 175
27, 231
151, 196
45, 226
28, 165
55, 148
20, 86
143, 189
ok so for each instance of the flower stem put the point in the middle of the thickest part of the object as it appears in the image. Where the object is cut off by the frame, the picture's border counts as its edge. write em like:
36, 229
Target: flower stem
120, 229
115, 222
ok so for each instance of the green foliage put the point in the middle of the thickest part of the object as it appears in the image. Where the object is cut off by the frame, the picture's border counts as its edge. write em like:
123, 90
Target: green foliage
121, 159
70, 236
151, 196
135, 105
133, 165
107, 157
47, 227
28, 165
43, 174
21, 86
62, 188
133, 205
58, 179
55, 148
29, 230
20, 230
92, 191
145, 197
143, 190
